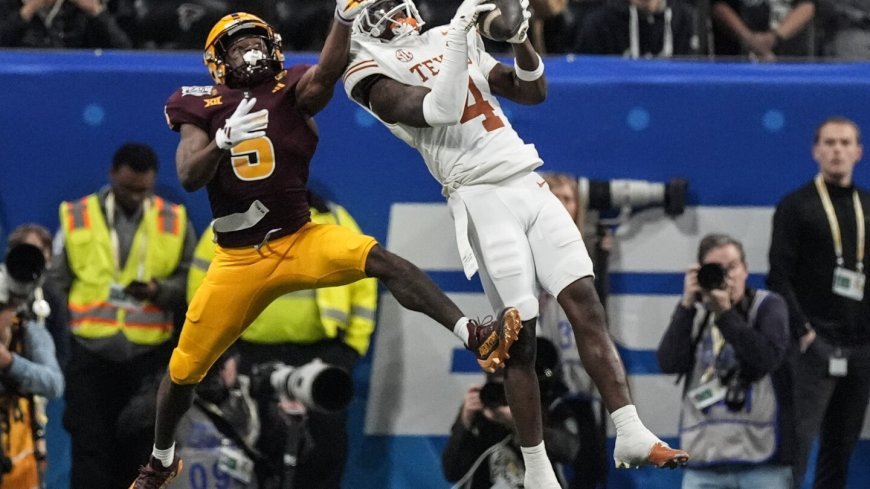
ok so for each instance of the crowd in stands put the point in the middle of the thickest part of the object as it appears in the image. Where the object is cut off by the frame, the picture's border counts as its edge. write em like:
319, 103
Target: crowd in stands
722, 29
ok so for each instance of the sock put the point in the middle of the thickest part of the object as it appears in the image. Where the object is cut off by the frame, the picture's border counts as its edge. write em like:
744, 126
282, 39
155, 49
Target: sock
539, 470
461, 330
164, 456
626, 420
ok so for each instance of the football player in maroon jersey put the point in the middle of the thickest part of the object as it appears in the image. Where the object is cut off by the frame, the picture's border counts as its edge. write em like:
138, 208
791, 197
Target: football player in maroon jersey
249, 140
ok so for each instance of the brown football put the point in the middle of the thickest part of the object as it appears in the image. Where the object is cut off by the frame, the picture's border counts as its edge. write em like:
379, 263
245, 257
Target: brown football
503, 22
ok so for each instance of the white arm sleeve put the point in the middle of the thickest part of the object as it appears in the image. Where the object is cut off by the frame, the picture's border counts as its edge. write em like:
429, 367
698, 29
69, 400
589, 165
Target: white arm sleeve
443, 106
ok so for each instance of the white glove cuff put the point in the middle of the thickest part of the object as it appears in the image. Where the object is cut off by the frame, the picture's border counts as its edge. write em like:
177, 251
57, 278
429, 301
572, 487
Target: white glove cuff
341, 19
530, 76
221, 139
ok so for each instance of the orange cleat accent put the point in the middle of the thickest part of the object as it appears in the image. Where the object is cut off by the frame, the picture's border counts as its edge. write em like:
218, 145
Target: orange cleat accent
665, 457
491, 341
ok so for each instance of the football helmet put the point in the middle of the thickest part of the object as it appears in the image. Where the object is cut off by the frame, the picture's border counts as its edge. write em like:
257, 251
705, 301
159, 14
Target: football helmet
387, 20
230, 28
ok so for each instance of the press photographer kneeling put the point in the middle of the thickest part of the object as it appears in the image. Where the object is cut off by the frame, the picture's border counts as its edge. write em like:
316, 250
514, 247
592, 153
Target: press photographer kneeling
729, 342
28, 366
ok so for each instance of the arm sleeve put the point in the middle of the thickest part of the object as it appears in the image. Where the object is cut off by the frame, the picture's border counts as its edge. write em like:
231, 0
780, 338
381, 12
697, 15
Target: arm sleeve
104, 32
461, 451
443, 106
675, 353
783, 258
37, 371
760, 349
12, 27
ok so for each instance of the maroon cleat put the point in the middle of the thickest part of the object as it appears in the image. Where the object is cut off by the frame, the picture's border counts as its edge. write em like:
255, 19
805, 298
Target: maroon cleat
491, 340
154, 475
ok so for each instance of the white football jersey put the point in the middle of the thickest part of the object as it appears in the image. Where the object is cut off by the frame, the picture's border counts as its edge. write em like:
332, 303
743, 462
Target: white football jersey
483, 147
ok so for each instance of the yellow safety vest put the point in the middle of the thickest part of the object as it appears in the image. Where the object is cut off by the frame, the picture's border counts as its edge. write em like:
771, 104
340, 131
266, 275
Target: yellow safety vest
89, 252
306, 316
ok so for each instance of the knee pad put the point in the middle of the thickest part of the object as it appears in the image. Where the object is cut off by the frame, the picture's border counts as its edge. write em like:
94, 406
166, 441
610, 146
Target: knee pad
184, 369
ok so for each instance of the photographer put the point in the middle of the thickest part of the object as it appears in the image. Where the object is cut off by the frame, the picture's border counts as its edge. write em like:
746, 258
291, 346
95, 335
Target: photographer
483, 450
28, 368
730, 342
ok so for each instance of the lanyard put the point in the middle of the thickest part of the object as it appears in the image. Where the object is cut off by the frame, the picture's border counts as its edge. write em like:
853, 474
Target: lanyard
835, 226
116, 243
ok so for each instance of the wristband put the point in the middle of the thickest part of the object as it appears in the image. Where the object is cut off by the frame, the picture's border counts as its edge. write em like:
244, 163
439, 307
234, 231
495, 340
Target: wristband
341, 19
530, 76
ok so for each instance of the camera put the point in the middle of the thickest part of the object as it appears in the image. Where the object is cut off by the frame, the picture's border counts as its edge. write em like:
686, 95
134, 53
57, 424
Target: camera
735, 388
492, 395
711, 276
635, 194
21, 277
317, 385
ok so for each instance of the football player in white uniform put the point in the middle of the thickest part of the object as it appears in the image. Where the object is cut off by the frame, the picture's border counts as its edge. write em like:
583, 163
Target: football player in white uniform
436, 91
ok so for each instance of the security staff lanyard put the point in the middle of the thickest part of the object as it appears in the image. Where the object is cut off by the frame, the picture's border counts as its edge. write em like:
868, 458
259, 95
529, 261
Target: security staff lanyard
847, 283
116, 242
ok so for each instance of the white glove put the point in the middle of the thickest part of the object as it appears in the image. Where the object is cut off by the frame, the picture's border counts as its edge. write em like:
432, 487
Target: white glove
522, 33
242, 126
467, 13
347, 10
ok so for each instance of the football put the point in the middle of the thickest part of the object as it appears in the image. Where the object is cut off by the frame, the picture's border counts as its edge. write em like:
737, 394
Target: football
501, 23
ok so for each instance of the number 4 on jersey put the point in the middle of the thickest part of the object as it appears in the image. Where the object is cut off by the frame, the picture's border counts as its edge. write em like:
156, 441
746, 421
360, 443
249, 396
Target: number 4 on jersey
481, 106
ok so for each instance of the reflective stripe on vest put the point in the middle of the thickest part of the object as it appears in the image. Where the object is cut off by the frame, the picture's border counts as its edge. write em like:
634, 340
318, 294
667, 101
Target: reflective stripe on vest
90, 258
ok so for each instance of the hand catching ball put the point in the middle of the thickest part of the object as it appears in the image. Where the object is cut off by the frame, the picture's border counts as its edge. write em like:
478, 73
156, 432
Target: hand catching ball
503, 22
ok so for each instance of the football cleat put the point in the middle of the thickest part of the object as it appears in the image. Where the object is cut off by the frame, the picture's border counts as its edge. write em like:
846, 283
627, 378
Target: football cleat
633, 455
154, 475
491, 341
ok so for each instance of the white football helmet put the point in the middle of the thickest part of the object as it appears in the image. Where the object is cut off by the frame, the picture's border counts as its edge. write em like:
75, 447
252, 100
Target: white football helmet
387, 20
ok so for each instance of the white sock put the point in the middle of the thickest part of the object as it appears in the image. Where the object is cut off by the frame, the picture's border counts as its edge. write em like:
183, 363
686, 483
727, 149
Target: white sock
461, 330
165, 456
539, 470
626, 420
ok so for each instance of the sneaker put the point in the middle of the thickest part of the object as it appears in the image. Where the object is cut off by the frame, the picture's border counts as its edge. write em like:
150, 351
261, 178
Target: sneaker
634, 453
154, 475
491, 340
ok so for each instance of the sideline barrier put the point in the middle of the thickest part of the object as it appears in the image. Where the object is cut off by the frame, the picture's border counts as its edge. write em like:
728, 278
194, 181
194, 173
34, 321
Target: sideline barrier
740, 133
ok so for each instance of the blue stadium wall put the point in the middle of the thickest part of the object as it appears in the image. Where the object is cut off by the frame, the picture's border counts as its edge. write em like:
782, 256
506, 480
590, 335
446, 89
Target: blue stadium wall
739, 133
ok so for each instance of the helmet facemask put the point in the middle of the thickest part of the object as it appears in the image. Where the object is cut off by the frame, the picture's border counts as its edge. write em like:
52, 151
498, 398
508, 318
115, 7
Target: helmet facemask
388, 20
259, 63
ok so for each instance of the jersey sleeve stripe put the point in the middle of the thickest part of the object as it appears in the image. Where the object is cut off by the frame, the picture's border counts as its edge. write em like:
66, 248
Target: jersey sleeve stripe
362, 65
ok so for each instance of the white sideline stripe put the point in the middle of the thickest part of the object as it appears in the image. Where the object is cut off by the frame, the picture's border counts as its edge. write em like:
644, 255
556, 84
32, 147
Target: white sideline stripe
638, 322
412, 391
648, 242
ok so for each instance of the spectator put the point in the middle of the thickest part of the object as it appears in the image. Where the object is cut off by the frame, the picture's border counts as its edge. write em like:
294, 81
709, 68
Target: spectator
334, 324
168, 24
590, 470
729, 342
817, 262
763, 29
28, 371
640, 29
483, 450
124, 265
57, 321
59, 24
846, 28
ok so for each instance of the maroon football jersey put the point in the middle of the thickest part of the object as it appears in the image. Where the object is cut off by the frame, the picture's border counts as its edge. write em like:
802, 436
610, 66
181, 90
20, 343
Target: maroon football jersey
272, 169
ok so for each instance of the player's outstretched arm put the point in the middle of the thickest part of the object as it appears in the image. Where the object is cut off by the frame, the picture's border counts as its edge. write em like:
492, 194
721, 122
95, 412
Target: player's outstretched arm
524, 83
316, 86
442, 105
